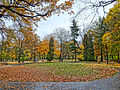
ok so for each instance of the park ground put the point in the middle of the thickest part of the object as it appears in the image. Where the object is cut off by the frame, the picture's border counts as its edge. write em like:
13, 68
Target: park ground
57, 72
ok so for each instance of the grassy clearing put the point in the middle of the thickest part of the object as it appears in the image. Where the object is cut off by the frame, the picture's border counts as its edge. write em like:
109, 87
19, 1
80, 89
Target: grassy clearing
69, 69
56, 72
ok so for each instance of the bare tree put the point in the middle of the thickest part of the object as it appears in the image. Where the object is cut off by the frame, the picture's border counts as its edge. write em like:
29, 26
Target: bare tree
90, 10
61, 35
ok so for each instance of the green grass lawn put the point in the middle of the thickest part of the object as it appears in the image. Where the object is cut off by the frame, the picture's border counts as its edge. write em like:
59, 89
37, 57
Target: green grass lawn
71, 69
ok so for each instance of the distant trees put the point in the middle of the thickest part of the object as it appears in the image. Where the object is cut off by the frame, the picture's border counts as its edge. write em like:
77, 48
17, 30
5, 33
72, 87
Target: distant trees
62, 36
88, 46
106, 36
24, 15
20, 46
74, 34
19, 41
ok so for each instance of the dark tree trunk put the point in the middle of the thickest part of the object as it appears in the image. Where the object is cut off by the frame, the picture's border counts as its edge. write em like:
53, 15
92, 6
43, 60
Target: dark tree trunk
75, 55
2, 47
101, 54
112, 57
75, 50
68, 56
39, 55
96, 58
106, 53
118, 58
44, 56
34, 56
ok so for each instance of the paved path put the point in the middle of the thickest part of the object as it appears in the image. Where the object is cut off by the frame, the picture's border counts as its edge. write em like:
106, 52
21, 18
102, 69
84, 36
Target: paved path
102, 84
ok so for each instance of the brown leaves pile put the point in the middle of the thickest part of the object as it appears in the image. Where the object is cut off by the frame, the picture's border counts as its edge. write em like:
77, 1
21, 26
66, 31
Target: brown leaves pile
28, 73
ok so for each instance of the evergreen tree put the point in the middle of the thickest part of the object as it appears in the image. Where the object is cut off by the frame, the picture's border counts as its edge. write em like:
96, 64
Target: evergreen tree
90, 46
51, 50
99, 30
85, 47
74, 35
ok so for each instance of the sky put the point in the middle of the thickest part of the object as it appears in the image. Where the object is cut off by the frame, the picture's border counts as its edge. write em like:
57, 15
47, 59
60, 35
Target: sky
64, 21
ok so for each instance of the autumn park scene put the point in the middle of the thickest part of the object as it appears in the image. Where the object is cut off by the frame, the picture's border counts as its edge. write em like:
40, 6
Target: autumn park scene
59, 44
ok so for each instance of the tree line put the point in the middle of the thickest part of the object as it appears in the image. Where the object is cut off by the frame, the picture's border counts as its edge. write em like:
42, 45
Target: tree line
19, 41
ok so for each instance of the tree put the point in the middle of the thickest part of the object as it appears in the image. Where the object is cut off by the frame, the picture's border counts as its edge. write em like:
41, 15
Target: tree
88, 46
99, 30
66, 50
51, 50
81, 50
107, 44
85, 44
90, 9
56, 49
62, 35
113, 23
30, 11
74, 35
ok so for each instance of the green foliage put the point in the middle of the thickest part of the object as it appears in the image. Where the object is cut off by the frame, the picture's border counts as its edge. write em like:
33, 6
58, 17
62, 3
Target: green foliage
88, 46
85, 47
74, 35
99, 29
50, 54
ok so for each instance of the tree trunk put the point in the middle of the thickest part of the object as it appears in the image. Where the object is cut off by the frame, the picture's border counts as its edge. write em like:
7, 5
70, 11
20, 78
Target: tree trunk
101, 54
68, 56
96, 57
34, 56
106, 53
118, 58
75, 55
19, 51
2, 47
75, 50
39, 55
61, 50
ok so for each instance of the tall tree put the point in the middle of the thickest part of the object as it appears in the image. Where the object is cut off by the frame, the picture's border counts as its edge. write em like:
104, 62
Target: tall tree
99, 30
74, 34
85, 53
51, 49
90, 45
113, 23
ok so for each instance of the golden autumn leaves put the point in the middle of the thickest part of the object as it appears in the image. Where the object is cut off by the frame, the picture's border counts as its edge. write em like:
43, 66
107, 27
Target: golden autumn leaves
44, 47
55, 72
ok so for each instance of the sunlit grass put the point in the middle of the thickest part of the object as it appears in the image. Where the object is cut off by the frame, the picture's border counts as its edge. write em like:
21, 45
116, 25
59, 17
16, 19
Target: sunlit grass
71, 69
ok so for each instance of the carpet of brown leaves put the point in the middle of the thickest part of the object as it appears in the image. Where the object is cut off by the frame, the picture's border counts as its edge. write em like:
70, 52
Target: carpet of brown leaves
28, 73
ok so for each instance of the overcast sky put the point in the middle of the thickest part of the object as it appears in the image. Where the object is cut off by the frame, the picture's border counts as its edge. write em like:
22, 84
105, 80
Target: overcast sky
64, 21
